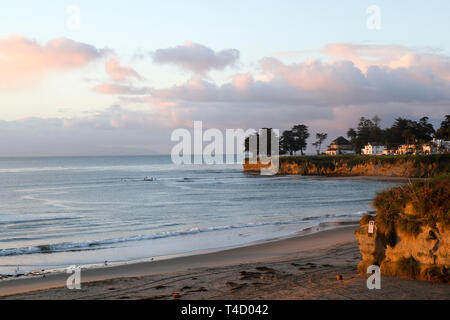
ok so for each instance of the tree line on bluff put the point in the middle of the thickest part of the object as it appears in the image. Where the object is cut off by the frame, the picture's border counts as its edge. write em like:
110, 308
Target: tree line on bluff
402, 131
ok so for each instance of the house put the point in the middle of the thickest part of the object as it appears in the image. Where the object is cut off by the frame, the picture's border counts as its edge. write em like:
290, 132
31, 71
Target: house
406, 149
441, 145
390, 151
429, 148
373, 149
340, 145
446, 146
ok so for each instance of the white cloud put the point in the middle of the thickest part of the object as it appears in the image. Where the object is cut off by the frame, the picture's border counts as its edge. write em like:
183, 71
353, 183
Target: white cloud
117, 72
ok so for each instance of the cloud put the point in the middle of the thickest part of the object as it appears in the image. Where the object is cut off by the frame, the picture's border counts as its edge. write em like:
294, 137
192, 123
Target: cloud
113, 131
392, 57
110, 88
118, 72
329, 95
354, 75
391, 74
23, 60
118, 117
315, 84
196, 57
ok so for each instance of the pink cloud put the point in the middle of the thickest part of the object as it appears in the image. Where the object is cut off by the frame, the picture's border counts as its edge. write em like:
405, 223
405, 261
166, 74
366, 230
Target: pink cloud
390, 76
118, 72
108, 88
315, 74
392, 57
242, 81
23, 60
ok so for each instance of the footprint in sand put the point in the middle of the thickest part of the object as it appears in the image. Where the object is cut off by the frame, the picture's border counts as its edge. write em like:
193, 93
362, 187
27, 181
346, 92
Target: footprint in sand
247, 275
154, 298
160, 287
266, 269
236, 286
201, 289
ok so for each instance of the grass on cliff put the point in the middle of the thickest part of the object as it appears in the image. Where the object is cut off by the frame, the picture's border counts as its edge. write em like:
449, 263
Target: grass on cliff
405, 268
433, 165
412, 206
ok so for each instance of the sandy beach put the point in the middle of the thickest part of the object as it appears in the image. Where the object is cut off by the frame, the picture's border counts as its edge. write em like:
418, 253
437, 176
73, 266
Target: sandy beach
300, 267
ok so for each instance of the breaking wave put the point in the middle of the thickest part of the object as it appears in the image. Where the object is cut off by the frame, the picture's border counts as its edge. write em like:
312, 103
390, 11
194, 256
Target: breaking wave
97, 244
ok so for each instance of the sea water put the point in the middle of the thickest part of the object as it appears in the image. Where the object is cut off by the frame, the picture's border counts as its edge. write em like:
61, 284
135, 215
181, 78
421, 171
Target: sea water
57, 212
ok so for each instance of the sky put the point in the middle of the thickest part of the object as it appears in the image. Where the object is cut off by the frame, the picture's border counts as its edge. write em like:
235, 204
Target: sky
116, 77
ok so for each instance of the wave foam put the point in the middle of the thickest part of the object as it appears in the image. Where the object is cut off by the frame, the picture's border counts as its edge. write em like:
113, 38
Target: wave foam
92, 244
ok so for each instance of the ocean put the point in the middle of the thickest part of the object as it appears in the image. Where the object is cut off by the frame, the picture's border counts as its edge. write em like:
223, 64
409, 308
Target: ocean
63, 211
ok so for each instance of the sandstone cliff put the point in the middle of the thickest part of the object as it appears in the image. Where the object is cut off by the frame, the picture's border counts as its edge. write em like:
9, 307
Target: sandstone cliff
411, 237
413, 166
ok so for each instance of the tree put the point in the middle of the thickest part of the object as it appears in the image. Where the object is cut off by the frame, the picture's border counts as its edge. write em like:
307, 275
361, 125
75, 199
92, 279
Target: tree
409, 132
266, 134
247, 142
367, 131
351, 133
398, 133
287, 142
294, 140
265, 137
300, 134
424, 130
321, 137
444, 131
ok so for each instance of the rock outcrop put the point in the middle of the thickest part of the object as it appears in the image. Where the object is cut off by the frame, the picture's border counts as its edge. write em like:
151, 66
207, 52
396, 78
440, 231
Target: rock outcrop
425, 256
414, 166
411, 236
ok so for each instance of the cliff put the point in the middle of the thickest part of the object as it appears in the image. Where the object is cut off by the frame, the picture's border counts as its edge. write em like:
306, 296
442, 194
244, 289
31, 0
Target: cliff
411, 166
411, 237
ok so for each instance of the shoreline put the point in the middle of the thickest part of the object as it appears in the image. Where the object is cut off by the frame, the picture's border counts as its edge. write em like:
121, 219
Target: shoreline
38, 271
300, 267
320, 265
262, 251
343, 177
318, 242
321, 226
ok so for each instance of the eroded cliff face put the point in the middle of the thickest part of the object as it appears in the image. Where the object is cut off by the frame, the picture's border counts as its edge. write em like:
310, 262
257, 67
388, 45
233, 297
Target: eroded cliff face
425, 256
369, 166
404, 169
411, 236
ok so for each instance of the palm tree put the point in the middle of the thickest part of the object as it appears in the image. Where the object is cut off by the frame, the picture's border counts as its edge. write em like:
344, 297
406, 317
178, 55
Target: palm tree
321, 137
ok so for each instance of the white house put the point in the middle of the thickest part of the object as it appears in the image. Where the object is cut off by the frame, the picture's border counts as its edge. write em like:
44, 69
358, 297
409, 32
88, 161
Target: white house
340, 146
441, 145
373, 149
